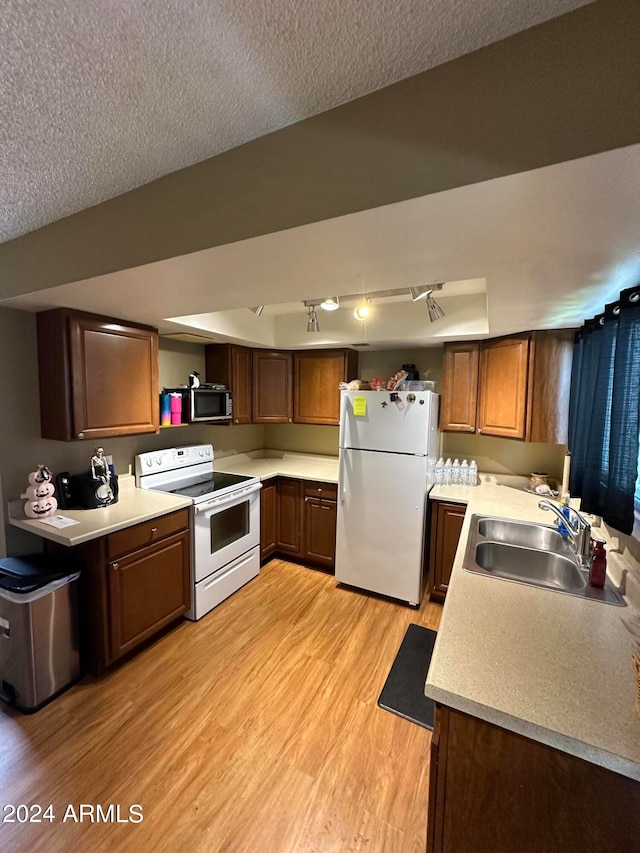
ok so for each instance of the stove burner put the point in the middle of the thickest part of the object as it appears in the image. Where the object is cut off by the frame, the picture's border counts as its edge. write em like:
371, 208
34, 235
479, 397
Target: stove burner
209, 484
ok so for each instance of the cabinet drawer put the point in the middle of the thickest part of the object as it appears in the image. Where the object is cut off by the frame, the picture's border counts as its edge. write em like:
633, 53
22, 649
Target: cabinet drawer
326, 491
142, 535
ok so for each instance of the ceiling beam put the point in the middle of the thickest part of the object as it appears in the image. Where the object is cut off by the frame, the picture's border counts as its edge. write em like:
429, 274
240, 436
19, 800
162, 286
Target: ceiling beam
567, 88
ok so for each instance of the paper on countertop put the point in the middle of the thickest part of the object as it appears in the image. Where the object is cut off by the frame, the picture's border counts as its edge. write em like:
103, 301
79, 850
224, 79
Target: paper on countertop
59, 521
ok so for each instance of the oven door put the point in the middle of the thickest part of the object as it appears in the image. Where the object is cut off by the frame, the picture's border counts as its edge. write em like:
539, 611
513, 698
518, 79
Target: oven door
224, 529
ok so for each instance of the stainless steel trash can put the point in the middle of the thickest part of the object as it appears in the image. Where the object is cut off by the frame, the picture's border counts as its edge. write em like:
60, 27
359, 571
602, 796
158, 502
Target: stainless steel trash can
39, 647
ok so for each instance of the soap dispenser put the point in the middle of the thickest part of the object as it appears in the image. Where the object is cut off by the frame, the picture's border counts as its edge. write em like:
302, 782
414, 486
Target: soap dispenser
598, 570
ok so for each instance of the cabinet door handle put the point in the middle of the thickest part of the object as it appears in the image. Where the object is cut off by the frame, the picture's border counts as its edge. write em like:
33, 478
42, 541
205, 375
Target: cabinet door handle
471, 429
80, 435
154, 529
479, 432
289, 420
114, 565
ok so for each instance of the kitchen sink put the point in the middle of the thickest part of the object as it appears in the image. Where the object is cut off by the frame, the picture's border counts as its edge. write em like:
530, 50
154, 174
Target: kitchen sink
532, 554
515, 563
528, 535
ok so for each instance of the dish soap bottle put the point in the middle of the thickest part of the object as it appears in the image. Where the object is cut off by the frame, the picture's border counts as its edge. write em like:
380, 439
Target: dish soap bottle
598, 570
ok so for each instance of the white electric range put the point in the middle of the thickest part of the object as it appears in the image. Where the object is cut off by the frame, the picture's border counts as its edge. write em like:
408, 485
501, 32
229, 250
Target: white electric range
225, 519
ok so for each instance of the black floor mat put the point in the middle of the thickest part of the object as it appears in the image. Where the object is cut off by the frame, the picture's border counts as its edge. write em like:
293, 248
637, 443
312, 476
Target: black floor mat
403, 691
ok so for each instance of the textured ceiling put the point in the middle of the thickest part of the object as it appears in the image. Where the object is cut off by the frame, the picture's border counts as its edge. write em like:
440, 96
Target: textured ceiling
98, 98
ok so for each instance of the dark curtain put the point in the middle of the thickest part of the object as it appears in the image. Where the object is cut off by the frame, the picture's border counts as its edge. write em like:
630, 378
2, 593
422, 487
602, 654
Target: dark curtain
604, 412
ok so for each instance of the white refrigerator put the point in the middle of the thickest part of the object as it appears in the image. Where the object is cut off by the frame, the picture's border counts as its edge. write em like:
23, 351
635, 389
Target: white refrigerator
388, 448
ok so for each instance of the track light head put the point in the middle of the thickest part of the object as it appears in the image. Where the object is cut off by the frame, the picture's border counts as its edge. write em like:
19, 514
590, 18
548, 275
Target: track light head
435, 311
363, 310
331, 303
312, 321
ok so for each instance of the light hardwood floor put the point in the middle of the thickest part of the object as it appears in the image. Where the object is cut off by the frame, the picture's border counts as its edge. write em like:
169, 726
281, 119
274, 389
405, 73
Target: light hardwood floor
255, 729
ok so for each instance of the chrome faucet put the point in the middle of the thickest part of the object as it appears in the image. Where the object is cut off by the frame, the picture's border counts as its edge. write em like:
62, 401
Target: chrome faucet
579, 533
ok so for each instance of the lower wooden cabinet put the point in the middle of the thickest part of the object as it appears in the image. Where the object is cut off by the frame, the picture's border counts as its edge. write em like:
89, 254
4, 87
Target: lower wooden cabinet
493, 790
147, 590
135, 583
268, 519
320, 510
289, 539
298, 521
444, 533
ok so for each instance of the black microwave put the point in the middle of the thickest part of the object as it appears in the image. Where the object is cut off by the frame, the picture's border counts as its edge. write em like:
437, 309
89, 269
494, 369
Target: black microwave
203, 404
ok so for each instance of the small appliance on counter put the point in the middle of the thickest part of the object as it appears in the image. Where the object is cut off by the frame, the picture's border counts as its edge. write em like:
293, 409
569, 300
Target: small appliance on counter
95, 489
206, 402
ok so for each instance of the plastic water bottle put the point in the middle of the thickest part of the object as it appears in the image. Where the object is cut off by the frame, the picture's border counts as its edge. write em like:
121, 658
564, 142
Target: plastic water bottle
439, 472
472, 474
447, 473
455, 473
464, 473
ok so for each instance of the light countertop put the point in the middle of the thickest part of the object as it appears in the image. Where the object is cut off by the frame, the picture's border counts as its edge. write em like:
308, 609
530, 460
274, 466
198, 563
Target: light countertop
553, 667
270, 463
133, 506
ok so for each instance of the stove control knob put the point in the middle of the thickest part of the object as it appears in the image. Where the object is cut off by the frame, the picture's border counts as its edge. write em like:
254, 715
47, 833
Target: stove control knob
201, 452
148, 462
159, 460
208, 451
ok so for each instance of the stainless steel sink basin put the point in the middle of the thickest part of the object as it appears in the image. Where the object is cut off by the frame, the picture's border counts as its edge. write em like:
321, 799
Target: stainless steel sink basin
532, 554
521, 533
514, 563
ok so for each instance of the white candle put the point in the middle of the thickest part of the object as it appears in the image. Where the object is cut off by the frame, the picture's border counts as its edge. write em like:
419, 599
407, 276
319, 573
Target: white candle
565, 473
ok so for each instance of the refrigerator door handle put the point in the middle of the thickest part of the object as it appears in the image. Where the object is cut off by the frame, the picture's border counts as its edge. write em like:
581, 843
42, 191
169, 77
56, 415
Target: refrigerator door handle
342, 481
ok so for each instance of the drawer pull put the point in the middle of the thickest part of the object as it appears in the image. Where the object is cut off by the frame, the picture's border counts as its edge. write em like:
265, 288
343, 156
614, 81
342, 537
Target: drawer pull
154, 529
114, 565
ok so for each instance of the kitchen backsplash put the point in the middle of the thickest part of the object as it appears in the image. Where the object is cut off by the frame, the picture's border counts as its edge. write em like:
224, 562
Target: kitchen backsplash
504, 455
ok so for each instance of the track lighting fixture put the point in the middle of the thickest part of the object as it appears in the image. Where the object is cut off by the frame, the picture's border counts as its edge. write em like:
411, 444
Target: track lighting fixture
312, 321
420, 291
363, 310
331, 303
435, 311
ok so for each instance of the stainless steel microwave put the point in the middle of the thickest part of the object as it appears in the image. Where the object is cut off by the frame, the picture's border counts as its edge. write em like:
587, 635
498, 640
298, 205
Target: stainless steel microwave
204, 404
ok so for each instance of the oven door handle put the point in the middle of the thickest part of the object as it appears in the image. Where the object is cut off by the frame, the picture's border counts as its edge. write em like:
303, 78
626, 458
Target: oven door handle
232, 497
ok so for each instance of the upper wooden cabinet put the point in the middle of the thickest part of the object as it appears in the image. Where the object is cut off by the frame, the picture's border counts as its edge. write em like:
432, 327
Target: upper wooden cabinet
512, 387
98, 376
460, 387
316, 376
231, 365
502, 403
272, 387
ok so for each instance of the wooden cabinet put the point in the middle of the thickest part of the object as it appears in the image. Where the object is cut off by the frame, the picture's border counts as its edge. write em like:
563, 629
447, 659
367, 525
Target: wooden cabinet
281, 387
316, 376
98, 377
230, 365
135, 582
502, 399
268, 518
492, 790
298, 521
459, 387
514, 387
272, 387
445, 528
289, 494
320, 510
